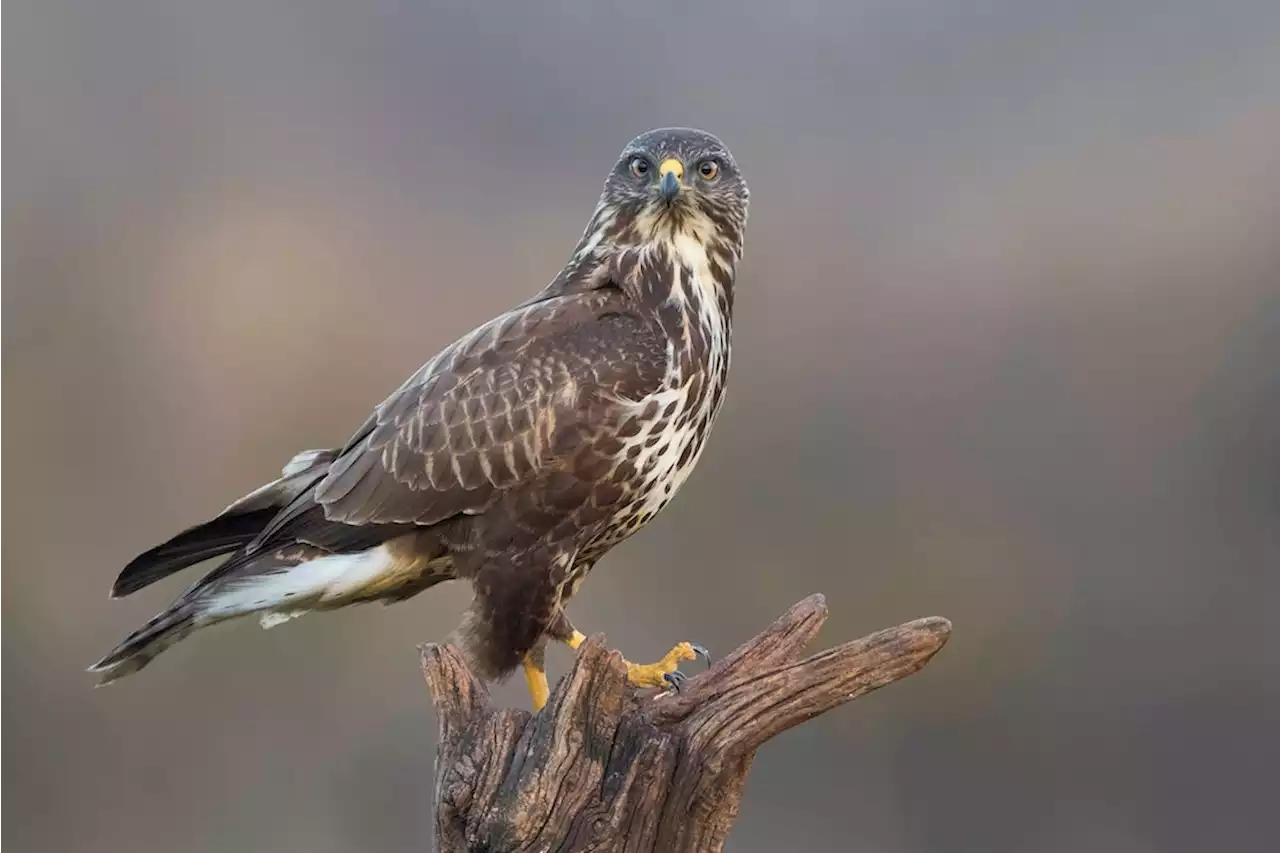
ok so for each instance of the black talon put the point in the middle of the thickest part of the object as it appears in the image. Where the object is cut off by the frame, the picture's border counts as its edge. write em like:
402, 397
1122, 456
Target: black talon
675, 679
701, 651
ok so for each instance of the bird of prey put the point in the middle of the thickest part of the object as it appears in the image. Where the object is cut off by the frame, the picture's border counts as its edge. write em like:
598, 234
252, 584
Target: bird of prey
516, 457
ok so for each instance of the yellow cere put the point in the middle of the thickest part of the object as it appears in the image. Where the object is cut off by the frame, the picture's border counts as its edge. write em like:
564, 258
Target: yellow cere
671, 165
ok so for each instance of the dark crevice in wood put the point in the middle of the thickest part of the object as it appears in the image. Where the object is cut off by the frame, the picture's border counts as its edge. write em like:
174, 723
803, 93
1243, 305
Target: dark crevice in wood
604, 769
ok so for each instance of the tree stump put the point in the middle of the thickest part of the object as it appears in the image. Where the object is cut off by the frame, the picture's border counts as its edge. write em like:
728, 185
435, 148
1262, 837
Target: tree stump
602, 768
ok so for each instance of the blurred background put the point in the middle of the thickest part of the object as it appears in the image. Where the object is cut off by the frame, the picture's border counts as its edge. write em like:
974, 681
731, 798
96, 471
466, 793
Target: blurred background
1007, 350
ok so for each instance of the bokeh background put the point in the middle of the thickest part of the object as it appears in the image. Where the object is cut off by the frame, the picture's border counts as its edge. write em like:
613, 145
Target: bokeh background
1007, 350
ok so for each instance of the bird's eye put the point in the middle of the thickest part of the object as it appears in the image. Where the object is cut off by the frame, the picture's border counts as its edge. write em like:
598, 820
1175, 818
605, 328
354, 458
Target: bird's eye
709, 169
639, 167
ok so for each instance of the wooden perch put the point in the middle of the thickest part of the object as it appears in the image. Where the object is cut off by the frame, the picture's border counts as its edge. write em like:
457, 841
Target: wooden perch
603, 769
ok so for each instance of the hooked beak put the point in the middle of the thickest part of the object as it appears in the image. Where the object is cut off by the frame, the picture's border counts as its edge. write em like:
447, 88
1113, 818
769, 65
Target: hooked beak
671, 171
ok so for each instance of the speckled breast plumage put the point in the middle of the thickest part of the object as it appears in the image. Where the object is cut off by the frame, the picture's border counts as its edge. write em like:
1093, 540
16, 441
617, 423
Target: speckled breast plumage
664, 434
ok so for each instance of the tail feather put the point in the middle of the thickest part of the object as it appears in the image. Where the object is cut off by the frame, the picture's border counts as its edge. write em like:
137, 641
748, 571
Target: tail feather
222, 535
141, 647
276, 586
210, 602
238, 525
317, 566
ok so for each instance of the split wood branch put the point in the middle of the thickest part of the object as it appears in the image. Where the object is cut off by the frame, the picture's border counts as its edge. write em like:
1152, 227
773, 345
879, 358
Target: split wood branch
602, 768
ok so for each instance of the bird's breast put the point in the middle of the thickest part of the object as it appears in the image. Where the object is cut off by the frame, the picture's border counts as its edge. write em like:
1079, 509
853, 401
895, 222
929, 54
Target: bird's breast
667, 429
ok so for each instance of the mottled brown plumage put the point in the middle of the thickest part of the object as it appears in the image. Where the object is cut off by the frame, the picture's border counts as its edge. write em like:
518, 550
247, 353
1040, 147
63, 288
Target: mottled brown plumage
518, 456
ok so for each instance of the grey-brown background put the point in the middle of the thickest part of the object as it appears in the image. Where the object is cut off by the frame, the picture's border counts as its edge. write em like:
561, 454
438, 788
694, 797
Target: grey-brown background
1007, 350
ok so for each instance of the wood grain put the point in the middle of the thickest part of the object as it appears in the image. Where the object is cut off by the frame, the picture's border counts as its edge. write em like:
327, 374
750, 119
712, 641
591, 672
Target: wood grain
602, 768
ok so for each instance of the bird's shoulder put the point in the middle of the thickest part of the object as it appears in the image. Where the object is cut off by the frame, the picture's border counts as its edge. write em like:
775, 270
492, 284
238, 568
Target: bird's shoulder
588, 341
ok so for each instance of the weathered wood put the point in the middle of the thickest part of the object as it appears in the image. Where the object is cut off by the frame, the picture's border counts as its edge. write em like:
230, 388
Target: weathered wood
604, 769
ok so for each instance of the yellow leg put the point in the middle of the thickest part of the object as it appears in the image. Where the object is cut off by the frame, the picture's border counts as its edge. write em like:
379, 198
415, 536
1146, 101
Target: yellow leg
651, 674
537, 678
655, 674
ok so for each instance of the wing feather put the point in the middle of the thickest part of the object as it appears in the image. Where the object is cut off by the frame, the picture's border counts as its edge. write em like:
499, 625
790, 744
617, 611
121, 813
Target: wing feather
502, 407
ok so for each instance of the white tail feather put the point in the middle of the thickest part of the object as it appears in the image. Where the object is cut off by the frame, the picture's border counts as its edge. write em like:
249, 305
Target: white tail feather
289, 590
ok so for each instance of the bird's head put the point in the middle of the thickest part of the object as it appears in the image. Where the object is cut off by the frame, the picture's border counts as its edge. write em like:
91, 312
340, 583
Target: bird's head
674, 180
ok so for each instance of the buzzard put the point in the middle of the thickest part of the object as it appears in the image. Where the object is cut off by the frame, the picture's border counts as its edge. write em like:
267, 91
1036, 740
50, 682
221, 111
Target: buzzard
518, 456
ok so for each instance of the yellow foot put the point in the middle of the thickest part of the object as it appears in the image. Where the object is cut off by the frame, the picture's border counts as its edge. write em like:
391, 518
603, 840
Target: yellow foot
666, 672
538, 687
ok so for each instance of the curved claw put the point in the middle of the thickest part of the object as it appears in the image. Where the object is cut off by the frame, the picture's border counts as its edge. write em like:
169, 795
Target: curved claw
676, 678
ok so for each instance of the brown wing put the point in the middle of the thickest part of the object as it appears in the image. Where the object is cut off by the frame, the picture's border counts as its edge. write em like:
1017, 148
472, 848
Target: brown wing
503, 406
